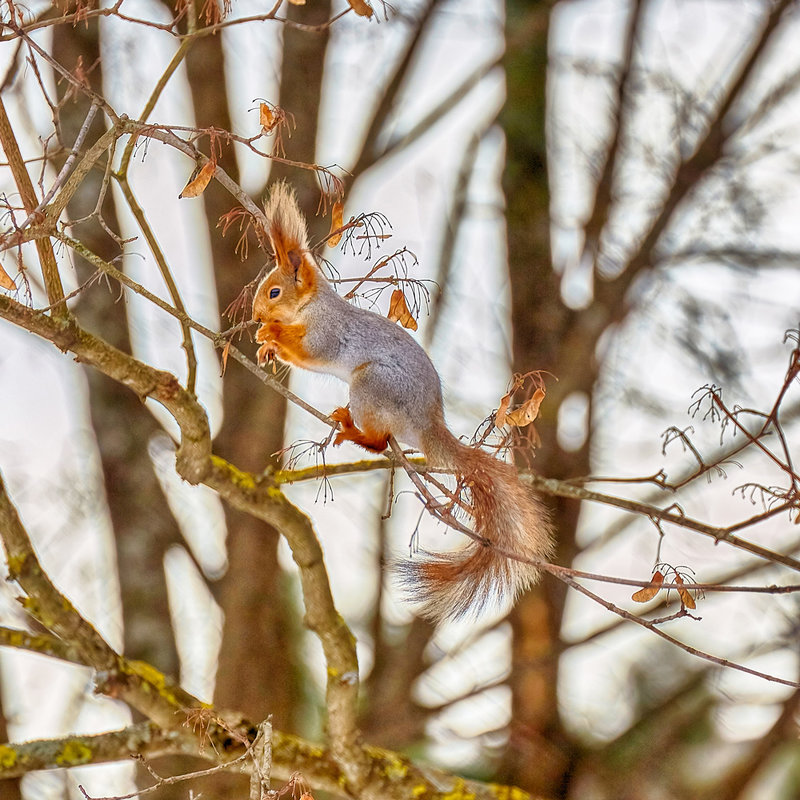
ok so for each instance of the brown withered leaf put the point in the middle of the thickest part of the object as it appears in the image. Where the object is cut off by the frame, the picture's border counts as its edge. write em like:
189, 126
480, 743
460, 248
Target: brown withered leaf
337, 220
199, 180
361, 7
5, 280
649, 592
398, 310
225, 352
502, 411
528, 411
685, 594
265, 117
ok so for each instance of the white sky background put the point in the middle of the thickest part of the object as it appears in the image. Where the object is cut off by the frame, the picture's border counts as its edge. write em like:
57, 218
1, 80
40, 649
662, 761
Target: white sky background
45, 434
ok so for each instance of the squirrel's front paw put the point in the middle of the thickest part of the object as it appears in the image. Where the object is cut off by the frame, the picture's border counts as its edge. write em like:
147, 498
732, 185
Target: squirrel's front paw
266, 353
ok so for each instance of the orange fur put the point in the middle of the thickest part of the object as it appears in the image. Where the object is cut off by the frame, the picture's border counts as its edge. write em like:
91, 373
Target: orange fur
369, 440
284, 341
296, 279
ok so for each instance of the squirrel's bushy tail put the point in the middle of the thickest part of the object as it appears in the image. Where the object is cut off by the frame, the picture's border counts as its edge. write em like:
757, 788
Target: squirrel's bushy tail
506, 513
287, 227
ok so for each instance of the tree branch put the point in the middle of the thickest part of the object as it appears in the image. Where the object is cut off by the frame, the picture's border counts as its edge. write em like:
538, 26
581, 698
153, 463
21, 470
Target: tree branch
42, 643
47, 258
391, 773
140, 685
258, 496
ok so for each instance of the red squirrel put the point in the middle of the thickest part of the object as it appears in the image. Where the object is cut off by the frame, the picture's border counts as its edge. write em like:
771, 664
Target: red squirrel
395, 390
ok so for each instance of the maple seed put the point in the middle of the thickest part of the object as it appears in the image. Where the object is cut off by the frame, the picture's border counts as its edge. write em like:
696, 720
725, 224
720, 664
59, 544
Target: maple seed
500, 416
199, 180
360, 7
5, 280
527, 412
266, 117
398, 310
686, 598
225, 351
649, 592
337, 220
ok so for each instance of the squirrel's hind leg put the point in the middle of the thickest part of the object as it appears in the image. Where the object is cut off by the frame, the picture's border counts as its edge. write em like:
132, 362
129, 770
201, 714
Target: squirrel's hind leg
368, 439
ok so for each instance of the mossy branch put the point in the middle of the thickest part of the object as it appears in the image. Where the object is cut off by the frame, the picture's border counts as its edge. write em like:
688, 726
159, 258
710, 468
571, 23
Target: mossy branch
256, 495
140, 685
391, 774
377, 773
42, 643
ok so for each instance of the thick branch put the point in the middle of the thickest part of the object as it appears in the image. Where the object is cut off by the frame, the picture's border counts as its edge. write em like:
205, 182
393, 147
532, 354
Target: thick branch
257, 496
140, 685
145, 739
42, 643
392, 775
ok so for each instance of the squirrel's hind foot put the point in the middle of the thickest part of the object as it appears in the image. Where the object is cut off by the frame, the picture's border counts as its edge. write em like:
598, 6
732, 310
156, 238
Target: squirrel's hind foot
370, 440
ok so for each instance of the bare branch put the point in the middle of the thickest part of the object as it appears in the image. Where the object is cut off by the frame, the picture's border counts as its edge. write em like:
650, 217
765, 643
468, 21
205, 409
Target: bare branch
47, 258
653, 627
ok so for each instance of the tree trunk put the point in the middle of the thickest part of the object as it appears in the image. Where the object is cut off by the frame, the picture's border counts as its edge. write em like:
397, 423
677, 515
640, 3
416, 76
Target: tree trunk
257, 672
538, 755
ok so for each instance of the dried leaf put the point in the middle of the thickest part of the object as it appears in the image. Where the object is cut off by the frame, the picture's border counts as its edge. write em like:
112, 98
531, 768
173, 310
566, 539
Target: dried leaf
225, 351
337, 220
649, 592
685, 594
398, 311
199, 180
361, 7
528, 411
5, 280
500, 416
265, 117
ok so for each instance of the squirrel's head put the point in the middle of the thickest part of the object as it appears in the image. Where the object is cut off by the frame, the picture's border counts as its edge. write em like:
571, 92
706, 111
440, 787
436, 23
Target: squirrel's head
295, 279
286, 290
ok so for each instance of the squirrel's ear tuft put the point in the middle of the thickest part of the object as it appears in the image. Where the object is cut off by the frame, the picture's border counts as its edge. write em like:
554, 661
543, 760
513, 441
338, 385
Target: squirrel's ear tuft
287, 229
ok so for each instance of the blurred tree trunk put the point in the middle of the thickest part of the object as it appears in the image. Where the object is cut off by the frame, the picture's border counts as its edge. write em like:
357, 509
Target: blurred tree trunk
538, 756
302, 73
143, 525
390, 718
255, 673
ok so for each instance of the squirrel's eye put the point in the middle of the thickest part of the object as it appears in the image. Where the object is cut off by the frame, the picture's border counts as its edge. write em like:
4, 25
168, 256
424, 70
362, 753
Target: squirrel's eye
274, 292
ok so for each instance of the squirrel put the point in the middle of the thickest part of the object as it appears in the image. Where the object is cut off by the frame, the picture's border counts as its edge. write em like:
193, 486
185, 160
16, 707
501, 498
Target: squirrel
395, 390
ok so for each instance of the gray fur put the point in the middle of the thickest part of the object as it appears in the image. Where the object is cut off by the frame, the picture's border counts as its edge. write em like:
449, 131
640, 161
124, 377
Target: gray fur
390, 375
